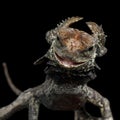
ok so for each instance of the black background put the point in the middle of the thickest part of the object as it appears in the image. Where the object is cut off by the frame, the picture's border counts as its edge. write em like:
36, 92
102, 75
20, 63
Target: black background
22, 41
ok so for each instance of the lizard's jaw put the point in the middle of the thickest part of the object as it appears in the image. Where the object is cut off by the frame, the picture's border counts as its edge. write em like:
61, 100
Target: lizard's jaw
67, 62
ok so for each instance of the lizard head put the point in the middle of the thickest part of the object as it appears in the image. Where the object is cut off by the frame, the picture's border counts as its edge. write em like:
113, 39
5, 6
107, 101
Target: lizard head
73, 48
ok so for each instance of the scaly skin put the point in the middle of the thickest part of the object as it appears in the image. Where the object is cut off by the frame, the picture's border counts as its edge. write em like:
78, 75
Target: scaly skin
71, 65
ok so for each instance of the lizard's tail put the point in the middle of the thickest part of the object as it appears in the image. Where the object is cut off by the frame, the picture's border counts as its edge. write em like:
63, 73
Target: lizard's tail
9, 80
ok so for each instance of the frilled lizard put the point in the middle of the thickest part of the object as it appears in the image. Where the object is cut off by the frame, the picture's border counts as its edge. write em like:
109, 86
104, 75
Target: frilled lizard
71, 64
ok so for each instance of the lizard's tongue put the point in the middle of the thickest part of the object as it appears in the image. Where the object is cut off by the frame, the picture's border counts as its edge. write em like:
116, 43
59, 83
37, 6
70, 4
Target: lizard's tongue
67, 62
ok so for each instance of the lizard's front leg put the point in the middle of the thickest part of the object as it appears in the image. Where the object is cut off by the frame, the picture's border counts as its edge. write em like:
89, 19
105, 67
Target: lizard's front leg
82, 115
95, 98
33, 109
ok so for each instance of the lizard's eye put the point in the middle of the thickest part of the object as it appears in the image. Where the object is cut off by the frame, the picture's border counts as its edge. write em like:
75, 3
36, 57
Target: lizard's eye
90, 49
58, 38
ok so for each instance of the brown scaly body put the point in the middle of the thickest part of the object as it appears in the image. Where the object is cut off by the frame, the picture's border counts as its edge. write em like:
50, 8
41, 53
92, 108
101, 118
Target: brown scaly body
71, 65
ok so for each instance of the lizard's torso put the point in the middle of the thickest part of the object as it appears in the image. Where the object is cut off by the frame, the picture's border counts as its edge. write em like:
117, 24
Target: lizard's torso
65, 90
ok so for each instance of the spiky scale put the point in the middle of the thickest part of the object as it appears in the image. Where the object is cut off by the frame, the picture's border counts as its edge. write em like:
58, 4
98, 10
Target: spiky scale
66, 23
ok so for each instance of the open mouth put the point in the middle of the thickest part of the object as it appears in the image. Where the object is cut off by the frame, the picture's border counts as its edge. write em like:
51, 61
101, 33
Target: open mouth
67, 62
